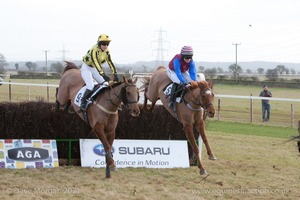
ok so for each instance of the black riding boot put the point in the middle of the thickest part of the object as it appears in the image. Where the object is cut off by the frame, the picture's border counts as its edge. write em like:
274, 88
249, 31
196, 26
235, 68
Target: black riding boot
173, 93
84, 100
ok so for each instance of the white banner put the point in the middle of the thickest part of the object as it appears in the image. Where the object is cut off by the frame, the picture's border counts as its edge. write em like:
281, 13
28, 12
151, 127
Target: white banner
28, 153
136, 153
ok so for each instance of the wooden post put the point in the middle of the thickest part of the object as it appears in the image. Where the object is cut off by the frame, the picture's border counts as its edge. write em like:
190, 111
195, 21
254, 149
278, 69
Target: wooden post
219, 109
292, 116
9, 90
28, 93
47, 92
251, 109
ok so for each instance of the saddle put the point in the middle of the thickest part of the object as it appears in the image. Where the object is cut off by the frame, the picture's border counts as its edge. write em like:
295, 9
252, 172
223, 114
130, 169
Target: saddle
179, 93
96, 91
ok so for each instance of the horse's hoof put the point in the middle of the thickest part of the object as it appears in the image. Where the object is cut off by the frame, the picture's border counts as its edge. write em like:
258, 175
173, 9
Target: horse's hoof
212, 157
203, 172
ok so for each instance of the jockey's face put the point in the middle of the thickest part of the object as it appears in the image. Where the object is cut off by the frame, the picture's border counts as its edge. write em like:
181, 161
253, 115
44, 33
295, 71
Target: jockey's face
187, 60
104, 45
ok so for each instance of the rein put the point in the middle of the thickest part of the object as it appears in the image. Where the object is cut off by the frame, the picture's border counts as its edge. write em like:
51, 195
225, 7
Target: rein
195, 100
122, 97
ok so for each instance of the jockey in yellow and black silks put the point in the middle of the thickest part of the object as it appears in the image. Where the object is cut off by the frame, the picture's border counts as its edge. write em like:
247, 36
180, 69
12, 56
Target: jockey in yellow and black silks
92, 70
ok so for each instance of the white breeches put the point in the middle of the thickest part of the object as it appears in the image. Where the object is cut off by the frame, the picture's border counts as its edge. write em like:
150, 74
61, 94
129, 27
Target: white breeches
173, 76
89, 74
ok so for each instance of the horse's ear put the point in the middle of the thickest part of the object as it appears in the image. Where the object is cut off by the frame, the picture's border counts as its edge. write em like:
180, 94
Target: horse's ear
125, 80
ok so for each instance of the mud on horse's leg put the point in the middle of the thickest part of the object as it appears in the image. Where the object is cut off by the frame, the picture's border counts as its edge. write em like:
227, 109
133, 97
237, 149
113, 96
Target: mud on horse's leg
189, 132
201, 130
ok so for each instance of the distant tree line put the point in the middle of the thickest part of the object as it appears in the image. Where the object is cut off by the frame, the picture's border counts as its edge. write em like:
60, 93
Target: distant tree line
234, 70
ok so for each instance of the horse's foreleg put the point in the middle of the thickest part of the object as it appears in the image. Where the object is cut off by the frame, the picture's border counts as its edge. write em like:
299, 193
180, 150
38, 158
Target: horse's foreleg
188, 129
201, 130
99, 131
110, 138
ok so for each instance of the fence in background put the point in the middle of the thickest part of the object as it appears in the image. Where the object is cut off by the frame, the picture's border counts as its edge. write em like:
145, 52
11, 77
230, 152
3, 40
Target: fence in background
247, 109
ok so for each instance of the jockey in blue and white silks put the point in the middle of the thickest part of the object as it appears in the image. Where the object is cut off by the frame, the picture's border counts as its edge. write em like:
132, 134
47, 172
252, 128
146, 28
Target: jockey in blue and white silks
181, 71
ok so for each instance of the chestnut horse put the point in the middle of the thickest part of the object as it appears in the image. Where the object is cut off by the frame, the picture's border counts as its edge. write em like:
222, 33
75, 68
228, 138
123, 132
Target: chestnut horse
102, 115
189, 111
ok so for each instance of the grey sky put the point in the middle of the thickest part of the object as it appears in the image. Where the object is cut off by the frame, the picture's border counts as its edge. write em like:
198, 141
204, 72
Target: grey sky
268, 30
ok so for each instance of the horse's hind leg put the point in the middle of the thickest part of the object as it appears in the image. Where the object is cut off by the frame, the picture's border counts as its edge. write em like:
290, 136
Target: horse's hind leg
145, 107
188, 129
201, 130
57, 104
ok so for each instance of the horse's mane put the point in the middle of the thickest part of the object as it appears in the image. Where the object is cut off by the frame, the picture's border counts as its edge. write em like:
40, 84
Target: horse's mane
204, 85
119, 83
69, 65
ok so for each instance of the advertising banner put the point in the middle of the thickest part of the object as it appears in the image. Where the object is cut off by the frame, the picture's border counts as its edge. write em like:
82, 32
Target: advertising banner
136, 153
28, 154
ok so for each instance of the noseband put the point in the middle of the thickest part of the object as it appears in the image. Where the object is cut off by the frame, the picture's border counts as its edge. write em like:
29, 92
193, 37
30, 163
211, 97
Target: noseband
197, 101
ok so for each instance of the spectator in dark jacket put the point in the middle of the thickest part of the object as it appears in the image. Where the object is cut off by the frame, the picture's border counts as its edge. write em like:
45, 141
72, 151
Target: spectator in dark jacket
265, 103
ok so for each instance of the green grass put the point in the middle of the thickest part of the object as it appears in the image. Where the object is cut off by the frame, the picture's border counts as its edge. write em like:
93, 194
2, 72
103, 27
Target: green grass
250, 129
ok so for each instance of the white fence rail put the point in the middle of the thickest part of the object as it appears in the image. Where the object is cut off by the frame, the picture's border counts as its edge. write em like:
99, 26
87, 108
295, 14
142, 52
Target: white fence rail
223, 105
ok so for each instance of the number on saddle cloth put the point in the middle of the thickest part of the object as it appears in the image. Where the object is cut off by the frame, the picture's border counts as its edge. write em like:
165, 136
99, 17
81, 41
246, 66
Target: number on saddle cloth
167, 91
96, 90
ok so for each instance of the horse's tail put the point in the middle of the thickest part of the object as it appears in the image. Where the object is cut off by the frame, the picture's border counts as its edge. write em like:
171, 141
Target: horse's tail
145, 81
70, 65
160, 67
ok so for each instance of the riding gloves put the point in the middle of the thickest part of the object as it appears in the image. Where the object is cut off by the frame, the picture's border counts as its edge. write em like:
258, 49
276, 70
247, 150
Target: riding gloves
116, 77
106, 78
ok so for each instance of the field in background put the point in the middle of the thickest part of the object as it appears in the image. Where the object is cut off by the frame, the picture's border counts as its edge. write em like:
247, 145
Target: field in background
231, 109
239, 109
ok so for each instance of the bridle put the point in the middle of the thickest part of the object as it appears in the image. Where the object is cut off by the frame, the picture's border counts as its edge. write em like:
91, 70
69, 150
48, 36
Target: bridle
123, 96
119, 98
196, 100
